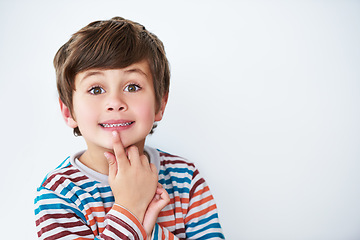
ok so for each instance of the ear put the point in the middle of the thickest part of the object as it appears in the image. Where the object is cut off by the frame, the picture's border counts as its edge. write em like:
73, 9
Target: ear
65, 112
159, 115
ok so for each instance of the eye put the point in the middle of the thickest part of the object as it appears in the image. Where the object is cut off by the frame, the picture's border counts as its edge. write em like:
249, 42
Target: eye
132, 88
96, 90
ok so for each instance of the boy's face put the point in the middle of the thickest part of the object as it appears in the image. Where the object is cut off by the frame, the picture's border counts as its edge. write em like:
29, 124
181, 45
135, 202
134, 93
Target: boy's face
117, 99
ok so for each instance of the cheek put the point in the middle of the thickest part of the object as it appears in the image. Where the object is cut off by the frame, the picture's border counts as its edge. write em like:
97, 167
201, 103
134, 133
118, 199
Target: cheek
84, 111
146, 112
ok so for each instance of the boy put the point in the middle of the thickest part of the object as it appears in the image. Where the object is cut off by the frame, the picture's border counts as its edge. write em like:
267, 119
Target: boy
113, 83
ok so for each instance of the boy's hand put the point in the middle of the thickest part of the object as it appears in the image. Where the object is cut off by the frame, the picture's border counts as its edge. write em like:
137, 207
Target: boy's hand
133, 180
160, 200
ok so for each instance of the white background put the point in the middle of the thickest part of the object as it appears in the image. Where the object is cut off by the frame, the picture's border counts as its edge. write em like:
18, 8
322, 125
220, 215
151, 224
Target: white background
264, 99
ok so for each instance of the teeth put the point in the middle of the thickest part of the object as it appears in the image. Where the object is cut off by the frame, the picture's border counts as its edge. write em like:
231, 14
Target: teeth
117, 125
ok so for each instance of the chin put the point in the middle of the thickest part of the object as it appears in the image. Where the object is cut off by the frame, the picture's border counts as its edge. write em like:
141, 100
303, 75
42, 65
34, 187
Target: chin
108, 146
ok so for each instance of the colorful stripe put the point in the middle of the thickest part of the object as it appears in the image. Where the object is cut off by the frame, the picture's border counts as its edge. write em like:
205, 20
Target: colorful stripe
69, 205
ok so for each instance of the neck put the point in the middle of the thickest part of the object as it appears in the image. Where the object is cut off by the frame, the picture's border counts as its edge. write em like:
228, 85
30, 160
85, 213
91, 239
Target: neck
94, 158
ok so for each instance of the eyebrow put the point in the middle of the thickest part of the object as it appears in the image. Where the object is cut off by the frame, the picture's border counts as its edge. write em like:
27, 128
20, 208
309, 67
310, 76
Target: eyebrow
136, 70
91, 73
99, 72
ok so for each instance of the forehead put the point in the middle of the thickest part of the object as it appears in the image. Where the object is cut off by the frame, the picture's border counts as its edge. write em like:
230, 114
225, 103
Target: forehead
140, 69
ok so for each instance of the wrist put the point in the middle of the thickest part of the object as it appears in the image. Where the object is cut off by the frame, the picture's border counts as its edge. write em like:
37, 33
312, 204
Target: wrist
149, 235
138, 214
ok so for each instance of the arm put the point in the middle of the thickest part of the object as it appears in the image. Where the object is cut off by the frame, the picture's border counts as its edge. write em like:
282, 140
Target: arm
59, 217
202, 212
65, 210
192, 212
201, 220
160, 200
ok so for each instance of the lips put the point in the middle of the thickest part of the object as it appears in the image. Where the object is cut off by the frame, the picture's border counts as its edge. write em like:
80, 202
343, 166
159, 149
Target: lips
111, 125
116, 124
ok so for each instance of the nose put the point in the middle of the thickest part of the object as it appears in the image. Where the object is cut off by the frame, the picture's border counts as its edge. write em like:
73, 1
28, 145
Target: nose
116, 103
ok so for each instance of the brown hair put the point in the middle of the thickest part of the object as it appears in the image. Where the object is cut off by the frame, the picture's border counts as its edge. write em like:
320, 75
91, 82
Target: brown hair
110, 44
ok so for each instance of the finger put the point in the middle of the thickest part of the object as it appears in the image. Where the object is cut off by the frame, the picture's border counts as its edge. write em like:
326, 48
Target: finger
164, 195
119, 150
144, 160
153, 169
112, 164
159, 190
133, 155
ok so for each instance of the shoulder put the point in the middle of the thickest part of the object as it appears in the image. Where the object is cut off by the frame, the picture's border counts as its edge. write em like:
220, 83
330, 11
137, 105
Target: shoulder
175, 168
62, 176
179, 174
166, 160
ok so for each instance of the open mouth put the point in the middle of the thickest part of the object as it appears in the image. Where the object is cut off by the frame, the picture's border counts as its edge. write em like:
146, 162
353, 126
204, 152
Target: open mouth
114, 125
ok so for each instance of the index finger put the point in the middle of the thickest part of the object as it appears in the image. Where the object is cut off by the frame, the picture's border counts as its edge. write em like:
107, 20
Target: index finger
119, 150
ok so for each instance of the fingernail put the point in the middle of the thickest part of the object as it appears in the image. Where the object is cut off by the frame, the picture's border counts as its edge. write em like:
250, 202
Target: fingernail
114, 133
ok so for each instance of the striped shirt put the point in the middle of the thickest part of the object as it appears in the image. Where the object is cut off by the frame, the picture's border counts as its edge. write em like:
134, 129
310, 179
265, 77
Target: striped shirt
75, 202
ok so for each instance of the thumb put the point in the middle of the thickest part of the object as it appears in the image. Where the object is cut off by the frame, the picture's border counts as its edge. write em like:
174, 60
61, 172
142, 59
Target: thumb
112, 164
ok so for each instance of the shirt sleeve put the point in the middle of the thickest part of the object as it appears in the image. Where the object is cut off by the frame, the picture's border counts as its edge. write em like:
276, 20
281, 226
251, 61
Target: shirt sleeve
162, 233
201, 220
60, 218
